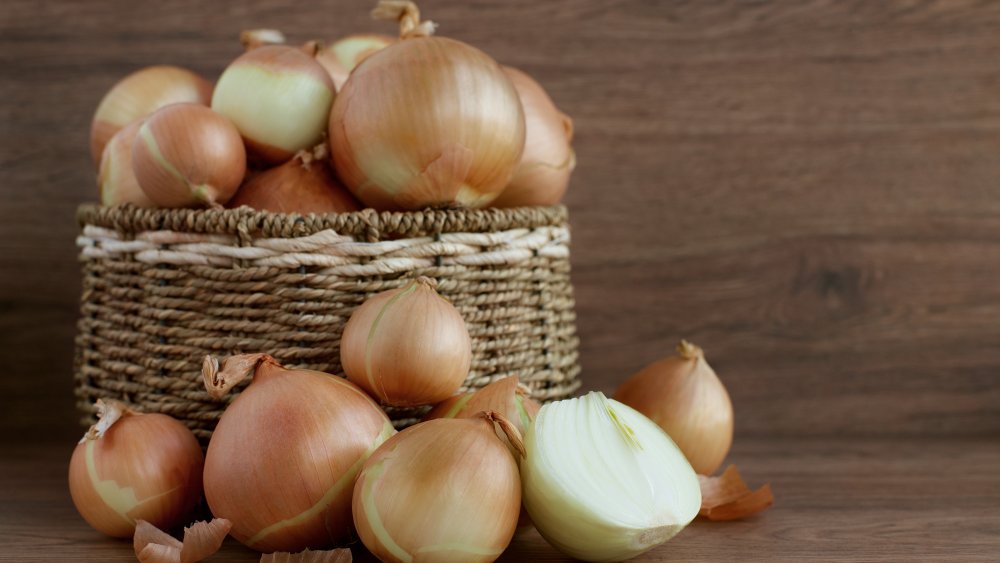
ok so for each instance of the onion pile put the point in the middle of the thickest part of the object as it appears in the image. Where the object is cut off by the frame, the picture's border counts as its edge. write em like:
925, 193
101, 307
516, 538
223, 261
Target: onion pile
411, 122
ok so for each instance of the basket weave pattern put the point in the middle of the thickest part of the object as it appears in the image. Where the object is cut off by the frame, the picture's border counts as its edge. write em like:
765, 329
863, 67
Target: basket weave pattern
163, 288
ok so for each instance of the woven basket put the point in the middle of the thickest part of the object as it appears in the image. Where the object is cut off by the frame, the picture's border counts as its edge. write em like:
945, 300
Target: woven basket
163, 288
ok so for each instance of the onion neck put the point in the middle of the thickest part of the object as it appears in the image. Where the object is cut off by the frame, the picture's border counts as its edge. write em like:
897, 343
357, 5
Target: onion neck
408, 16
688, 351
109, 411
219, 379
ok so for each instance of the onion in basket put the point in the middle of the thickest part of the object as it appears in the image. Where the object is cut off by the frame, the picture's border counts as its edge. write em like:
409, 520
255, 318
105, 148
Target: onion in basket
426, 121
115, 178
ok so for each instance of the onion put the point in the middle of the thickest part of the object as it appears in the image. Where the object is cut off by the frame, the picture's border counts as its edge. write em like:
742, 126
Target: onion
140, 94
340, 57
304, 184
685, 397
186, 155
604, 483
407, 346
505, 396
444, 490
132, 466
426, 121
278, 97
284, 457
548, 159
115, 178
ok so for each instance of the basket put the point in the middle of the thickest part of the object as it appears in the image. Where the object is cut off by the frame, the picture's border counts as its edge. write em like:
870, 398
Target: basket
163, 288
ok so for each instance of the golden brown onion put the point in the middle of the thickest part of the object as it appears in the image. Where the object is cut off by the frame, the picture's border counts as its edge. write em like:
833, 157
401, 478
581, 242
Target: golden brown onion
426, 121
187, 155
115, 178
282, 462
683, 395
304, 184
140, 94
407, 346
278, 97
132, 466
443, 490
548, 160
340, 57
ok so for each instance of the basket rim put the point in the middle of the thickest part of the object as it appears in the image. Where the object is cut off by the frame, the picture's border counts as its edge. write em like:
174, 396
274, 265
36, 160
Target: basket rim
366, 224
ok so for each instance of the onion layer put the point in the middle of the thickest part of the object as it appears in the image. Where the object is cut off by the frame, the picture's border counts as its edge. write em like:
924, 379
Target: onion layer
187, 155
426, 121
132, 466
282, 462
140, 94
604, 483
115, 178
548, 160
443, 490
278, 97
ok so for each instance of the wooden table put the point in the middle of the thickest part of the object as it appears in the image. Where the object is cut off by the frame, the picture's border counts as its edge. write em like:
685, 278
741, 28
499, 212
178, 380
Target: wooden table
835, 500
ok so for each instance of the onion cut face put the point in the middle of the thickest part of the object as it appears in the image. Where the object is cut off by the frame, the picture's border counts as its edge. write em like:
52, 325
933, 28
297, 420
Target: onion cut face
604, 483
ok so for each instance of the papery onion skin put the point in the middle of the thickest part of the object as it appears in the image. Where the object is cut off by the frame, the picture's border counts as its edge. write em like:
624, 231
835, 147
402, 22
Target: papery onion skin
340, 57
426, 121
282, 462
186, 155
278, 97
542, 175
143, 467
439, 491
602, 482
407, 346
140, 94
115, 177
685, 397
304, 184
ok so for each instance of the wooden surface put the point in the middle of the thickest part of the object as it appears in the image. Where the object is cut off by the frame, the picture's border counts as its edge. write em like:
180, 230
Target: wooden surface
837, 500
809, 190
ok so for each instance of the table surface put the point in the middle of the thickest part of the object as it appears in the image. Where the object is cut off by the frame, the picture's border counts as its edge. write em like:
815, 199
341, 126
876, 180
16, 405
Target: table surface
835, 500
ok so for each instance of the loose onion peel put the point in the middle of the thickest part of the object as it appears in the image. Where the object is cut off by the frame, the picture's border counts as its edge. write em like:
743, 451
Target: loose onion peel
201, 540
727, 497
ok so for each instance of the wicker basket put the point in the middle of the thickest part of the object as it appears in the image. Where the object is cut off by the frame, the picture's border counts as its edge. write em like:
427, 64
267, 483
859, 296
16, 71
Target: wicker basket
163, 288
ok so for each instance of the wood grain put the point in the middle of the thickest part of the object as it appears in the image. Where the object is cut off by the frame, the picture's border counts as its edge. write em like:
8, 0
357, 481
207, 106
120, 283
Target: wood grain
806, 189
836, 500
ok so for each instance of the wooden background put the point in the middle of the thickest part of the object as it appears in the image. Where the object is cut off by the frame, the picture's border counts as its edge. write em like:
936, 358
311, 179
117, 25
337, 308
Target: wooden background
810, 190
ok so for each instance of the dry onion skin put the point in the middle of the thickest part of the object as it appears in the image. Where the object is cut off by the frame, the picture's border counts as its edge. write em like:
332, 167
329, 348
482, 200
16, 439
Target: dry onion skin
685, 397
115, 177
407, 346
604, 483
132, 466
442, 490
186, 155
278, 97
282, 462
727, 497
425, 122
201, 540
140, 94
304, 184
340, 57
548, 160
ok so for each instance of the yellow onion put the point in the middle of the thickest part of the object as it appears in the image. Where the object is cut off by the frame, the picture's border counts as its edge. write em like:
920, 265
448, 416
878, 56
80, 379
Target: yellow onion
115, 178
548, 160
685, 397
340, 57
604, 483
278, 97
187, 155
282, 462
140, 94
304, 184
407, 346
443, 490
505, 396
132, 466
426, 121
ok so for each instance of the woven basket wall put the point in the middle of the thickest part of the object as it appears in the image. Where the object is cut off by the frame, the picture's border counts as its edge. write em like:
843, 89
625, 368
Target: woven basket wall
163, 288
